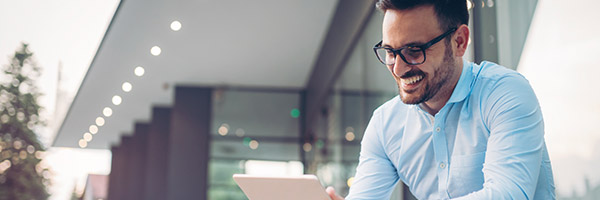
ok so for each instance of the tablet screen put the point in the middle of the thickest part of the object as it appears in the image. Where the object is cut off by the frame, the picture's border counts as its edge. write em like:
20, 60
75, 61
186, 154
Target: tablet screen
277, 188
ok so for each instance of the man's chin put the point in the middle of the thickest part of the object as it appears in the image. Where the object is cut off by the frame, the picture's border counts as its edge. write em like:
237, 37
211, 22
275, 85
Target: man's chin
410, 98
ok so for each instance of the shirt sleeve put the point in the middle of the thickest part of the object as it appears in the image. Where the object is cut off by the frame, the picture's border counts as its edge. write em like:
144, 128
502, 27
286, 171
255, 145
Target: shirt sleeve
375, 175
516, 137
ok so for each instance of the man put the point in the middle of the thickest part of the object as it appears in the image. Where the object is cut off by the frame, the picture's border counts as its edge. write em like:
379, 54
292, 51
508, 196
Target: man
457, 130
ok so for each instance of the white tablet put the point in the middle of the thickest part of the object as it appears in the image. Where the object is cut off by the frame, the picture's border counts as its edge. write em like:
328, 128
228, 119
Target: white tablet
277, 188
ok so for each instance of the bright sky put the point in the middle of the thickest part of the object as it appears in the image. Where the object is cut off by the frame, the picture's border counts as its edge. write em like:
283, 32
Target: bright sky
560, 60
67, 32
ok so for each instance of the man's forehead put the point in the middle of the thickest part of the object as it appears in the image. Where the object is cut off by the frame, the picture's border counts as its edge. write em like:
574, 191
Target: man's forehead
404, 27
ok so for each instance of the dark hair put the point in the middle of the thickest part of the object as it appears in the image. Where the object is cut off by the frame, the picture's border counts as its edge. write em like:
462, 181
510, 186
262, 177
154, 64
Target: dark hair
450, 13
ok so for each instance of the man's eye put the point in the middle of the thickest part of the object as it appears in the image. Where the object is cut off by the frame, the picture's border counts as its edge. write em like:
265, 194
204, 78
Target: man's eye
412, 52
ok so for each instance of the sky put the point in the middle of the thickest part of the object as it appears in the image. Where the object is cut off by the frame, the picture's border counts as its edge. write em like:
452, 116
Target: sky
65, 32
559, 59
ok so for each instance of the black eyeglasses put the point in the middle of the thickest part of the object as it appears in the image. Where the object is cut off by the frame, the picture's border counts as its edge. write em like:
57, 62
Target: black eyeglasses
412, 55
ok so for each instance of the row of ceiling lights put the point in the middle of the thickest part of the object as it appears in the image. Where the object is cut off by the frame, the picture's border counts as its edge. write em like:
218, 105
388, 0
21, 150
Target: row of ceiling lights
116, 99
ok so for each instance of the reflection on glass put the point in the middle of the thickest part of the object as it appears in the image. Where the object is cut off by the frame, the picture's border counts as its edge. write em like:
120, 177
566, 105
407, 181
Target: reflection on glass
223, 129
319, 144
349, 136
240, 132
247, 141
307, 147
253, 144
295, 113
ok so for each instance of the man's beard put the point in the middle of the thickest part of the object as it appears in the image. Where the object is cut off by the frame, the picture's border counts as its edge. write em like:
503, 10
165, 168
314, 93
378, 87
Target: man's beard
442, 74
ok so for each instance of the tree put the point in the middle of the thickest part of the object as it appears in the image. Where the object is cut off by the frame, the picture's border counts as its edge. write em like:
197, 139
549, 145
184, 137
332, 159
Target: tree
21, 174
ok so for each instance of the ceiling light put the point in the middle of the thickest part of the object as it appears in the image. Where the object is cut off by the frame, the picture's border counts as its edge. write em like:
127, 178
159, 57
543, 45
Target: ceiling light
107, 112
155, 50
139, 71
126, 86
100, 121
93, 129
82, 143
117, 100
87, 137
175, 25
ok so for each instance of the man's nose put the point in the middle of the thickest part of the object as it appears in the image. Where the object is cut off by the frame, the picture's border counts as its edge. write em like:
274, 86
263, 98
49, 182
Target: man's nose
399, 66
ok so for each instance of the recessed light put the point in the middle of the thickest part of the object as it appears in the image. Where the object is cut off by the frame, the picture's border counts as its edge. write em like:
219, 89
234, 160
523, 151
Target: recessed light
175, 25
126, 86
155, 50
117, 100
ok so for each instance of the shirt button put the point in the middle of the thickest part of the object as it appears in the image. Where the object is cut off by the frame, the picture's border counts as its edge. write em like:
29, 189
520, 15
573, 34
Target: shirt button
437, 129
442, 165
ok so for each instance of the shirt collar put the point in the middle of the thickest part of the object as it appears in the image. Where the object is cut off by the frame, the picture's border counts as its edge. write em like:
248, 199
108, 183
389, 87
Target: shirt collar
463, 87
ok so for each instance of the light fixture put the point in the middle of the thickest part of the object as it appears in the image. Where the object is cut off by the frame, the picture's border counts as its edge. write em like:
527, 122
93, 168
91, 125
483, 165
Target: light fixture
240, 132
307, 147
87, 137
350, 136
82, 143
223, 129
100, 121
126, 86
117, 100
107, 111
175, 25
155, 50
139, 71
93, 129
253, 144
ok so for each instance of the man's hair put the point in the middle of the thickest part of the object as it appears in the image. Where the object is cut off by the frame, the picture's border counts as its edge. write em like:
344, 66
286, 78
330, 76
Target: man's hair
450, 13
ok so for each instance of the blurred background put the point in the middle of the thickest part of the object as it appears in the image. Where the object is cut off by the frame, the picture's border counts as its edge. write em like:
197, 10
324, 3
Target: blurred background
108, 99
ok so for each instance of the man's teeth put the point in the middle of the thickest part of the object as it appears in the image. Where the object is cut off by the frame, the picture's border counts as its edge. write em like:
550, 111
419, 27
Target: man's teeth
413, 79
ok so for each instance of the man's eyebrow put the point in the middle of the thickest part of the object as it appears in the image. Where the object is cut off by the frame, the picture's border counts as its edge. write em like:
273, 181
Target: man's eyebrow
410, 44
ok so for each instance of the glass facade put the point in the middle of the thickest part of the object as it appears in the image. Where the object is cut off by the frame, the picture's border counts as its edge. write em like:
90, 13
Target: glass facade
254, 132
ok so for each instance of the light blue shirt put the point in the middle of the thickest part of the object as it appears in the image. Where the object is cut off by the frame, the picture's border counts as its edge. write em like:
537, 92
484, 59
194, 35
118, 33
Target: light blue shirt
487, 142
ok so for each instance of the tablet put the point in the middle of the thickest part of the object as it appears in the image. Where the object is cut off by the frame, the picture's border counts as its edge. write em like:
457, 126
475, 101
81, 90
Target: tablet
277, 188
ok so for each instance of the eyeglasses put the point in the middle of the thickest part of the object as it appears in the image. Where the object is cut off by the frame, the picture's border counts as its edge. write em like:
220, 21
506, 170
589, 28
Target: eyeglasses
412, 55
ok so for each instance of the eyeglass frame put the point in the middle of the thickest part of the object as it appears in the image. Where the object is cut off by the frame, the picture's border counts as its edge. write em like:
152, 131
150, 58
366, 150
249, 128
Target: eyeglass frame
422, 47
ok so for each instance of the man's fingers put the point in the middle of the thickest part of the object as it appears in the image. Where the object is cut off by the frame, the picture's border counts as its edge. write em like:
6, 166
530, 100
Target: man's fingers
332, 194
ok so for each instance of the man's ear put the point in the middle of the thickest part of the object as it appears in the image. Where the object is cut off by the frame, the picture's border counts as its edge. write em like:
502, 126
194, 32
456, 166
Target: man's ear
460, 40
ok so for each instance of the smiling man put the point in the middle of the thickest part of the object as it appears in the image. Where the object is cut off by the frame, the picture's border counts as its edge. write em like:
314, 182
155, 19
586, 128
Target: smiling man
457, 130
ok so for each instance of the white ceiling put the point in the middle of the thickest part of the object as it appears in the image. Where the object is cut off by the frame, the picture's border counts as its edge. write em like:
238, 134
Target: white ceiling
260, 43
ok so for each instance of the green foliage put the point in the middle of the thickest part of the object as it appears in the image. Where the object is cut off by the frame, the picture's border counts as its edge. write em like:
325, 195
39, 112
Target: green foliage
21, 174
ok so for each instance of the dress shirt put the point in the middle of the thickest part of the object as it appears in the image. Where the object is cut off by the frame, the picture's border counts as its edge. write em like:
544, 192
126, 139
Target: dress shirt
487, 142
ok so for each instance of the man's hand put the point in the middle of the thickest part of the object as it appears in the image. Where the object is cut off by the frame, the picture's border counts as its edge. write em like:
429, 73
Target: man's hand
332, 194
